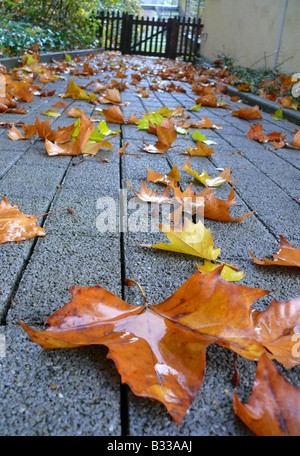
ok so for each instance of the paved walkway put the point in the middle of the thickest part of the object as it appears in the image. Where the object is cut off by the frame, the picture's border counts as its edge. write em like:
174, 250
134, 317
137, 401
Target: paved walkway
77, 392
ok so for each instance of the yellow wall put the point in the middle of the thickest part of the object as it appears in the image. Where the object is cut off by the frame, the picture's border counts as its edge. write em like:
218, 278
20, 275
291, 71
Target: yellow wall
244, 29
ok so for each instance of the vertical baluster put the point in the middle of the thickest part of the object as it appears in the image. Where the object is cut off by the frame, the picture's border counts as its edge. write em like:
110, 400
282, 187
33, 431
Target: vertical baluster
181, 31
146, 34
111, 30
186, 39
192, 40
157, 36
106, 29
141, 34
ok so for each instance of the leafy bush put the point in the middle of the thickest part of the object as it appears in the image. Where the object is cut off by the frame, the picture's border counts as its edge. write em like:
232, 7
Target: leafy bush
54, 24
17, 36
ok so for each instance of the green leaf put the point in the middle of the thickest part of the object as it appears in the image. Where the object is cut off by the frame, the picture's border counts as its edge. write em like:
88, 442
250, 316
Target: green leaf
195, 108
277, 114
101, 132
198, 136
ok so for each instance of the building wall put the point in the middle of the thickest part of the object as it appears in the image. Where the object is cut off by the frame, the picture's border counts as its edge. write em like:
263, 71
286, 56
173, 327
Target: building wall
248, 31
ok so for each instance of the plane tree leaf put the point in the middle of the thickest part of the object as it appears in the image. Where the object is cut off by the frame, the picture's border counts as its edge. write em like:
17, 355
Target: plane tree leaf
191, 238
205, 179
159, 350
286, 256
167, 179
278, 327
229, 272
274, 404
248, 113
16, 226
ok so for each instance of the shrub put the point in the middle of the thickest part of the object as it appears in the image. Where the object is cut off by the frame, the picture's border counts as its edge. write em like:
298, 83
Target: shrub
54, 24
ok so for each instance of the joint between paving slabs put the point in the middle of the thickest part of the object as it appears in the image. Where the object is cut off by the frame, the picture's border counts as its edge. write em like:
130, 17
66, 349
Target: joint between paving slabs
124, 409
28, 257
260, 170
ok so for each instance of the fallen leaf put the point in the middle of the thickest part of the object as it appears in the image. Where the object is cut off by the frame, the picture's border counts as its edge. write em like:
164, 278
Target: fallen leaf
75, 112
286, 256
229, 273
51, 113
113, 114
201, 150
16, 226
112, 96
15, 134
75, 92
204, 178
278, 115
148, 195
274, 404
159, 350
218, 209
205, 123
166, 179
248, 113
166, 136
296, 140
278, 329
76, 147
191, 239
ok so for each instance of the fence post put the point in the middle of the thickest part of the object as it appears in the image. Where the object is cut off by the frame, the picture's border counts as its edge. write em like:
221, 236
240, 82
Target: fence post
100, 17
126, 33
172, 38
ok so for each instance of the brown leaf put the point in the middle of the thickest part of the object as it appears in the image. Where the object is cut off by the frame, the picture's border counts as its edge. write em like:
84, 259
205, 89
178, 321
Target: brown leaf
205, 123
113, 114
112, 96
286, 256
217, 209
273, 407
15, 134
166, 136
296, 141
166, 179
248, 113
73, 148
278, 328
16, 226
148, 195
201, 150
159, 350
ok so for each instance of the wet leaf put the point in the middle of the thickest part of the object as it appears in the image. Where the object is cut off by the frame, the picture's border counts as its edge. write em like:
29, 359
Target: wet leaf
159, 350
16, 226
286, 256
274, 404
228, 273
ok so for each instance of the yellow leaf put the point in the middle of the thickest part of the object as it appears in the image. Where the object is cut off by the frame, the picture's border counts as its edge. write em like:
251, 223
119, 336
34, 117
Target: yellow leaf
205, 179
192, 239
228, 273
75, 92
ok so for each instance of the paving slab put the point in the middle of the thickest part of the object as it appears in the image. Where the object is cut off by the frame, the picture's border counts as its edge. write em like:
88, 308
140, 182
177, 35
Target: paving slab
77, 392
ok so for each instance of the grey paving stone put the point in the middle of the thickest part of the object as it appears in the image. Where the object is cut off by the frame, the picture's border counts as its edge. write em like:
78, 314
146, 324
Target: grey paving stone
57, 392
59, 262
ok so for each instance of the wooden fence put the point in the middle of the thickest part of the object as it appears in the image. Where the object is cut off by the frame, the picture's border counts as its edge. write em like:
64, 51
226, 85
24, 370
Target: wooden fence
171, 38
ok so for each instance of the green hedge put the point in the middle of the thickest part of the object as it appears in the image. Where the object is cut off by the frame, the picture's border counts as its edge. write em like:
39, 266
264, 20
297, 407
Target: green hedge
54, 24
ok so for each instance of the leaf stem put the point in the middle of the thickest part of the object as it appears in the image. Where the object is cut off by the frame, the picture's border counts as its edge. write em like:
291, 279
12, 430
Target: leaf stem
130, 281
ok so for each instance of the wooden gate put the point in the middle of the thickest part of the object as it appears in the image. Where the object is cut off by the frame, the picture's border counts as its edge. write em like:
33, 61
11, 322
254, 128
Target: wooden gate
171, 38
